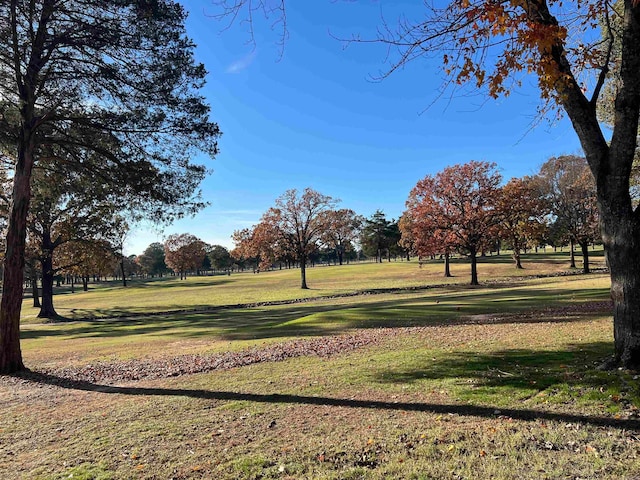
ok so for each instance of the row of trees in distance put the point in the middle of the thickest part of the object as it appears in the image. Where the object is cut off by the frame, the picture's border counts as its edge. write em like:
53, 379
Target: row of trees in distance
462, 210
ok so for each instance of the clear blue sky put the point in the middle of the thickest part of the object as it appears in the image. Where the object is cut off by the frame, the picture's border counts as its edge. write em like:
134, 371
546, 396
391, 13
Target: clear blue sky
315, 118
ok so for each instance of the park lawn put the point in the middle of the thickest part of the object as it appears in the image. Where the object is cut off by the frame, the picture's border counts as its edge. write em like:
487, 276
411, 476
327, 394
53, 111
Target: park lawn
203, 292
495, 381
225, 329
462, 400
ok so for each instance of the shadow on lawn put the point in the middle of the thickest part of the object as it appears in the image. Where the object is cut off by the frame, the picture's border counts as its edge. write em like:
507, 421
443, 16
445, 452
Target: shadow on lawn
459, 307
465, 410
518, 368
555, 376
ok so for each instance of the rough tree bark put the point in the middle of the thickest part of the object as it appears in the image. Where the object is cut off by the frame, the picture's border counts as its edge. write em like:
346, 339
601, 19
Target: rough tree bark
13, 276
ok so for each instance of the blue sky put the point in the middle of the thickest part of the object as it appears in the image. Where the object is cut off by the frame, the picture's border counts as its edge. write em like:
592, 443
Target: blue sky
313, 117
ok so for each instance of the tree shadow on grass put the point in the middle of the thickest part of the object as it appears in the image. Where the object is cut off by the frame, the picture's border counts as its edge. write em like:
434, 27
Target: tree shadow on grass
556, 376
458, 307
277, 398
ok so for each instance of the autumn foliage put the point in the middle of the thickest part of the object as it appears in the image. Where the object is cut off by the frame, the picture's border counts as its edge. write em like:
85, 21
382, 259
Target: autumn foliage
183, 252
455, 210
522, 213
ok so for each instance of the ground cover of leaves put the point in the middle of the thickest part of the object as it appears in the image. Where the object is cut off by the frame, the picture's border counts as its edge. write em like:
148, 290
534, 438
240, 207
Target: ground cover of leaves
484, 397
328, 346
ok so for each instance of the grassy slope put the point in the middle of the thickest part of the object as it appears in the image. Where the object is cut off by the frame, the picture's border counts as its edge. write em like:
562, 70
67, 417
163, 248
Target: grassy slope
202, 292
449, 401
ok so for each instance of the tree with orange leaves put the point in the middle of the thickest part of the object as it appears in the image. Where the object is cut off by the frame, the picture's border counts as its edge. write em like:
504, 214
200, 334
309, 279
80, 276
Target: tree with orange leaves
457, 207
522, 212
183, 252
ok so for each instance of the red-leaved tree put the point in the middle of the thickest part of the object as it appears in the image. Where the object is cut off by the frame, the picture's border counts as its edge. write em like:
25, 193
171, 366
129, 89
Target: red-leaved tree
183, 252
522, 212
458, 207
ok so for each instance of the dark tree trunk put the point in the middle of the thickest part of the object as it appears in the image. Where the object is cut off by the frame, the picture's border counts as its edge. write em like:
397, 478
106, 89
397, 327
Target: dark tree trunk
621, 236
572, 257
73, 286
34, 286
340, 255
124, 277
47, 310
517, 259
303, 273
474, 267
85, 283
584, 246
516, 254
13, 273
447, 265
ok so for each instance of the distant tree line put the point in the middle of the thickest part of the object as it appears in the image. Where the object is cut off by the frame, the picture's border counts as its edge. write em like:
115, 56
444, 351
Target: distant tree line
75, 237
307, 227
463, 210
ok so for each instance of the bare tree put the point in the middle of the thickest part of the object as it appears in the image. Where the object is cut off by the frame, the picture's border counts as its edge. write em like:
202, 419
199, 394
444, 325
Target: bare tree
299, 221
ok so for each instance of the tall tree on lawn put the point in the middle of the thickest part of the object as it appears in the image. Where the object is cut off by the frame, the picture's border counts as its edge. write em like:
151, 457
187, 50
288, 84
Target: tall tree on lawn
112, 86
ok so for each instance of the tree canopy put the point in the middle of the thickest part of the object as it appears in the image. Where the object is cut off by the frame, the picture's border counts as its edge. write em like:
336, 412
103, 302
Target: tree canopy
108, 88
458, 205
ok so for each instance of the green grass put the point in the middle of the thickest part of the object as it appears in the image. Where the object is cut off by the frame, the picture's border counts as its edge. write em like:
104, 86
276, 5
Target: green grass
226, 329
171, 294
499, 383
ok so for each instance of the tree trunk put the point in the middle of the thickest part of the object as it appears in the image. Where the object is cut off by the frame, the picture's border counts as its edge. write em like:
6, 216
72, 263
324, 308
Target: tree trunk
572, 258
447, 265
85, 283
474, 267
516, 254
13, 273
517, 259
73, 286
584, 246
47, 310
340, 254
124, 277
34, 285
621, 234
303, 273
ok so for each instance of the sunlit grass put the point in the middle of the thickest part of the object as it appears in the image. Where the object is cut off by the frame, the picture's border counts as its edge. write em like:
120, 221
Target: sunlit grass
499, 381
225, 329
202, 292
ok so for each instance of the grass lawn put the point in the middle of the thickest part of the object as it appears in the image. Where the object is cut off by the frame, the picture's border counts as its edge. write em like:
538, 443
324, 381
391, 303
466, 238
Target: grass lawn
497, 381
203, 292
